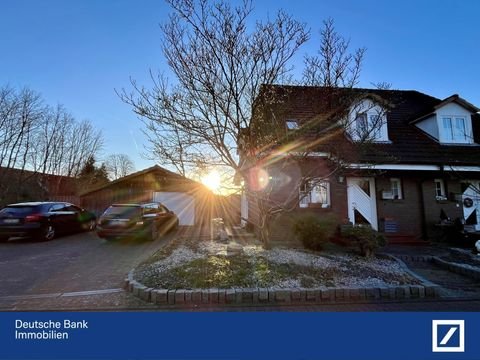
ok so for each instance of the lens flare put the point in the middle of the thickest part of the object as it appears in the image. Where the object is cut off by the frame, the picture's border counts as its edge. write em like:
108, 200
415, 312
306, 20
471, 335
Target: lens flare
212, 180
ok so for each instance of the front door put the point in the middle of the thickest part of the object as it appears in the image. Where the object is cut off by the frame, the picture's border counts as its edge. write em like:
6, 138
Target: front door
362, 202
471, 204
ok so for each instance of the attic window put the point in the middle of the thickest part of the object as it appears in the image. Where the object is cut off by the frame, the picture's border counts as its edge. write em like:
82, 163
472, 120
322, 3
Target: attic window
368, 121
292, 124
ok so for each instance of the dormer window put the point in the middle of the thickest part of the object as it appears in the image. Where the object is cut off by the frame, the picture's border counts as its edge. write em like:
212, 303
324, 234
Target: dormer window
454, 130
291, 124
368, 122
450, 122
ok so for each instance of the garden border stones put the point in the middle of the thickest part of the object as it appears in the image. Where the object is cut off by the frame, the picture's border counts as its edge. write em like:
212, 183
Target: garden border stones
457, 268
276, 296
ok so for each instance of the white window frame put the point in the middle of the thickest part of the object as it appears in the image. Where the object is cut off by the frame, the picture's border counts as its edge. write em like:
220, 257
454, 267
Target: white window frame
440, 187
373, 117
450, 135
317, 192
395, 190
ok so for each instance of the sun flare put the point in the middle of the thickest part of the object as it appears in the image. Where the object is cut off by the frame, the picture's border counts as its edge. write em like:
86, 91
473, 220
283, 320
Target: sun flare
212, 180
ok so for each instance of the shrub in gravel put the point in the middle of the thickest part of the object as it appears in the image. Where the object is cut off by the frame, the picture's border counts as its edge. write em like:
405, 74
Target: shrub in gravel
367, 239
314, 230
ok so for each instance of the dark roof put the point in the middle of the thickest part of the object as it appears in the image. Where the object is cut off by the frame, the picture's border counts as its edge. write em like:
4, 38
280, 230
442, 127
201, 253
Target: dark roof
153, 169
408, 144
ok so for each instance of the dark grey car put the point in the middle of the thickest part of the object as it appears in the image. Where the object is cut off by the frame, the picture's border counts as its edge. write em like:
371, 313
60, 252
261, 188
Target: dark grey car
136, 220
43, 220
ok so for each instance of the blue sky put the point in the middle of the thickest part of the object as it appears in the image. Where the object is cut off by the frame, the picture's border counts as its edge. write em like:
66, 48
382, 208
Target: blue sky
77, 52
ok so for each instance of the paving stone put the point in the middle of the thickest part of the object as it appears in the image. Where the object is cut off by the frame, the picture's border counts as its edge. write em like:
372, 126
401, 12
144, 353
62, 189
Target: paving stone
180, 297
327, 295
213, 296
311, 295
271, 295
282, 295
296, 295
372, 293
353, 293
145, 293
197, 296
386, 293
262, 295
205, 299
238, 296
431, 291
255, 296
221, 296
247, 296
415, 290
137, 289
171, 297
230, 296
159, 296
340, 294
399, 292
188, 296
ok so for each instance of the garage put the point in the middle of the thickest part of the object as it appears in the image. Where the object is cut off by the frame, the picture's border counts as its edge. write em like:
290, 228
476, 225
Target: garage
180, 203
190, 200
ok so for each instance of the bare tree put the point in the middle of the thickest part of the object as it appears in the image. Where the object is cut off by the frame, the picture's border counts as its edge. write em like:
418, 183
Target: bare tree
119, 165
334, 65
219, 63
39, 139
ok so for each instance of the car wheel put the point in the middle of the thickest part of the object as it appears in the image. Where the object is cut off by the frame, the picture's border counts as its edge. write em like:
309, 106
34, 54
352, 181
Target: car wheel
47, 233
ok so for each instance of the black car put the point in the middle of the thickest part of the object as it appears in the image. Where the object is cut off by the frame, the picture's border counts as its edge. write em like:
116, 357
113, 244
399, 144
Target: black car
43, 220
136, 220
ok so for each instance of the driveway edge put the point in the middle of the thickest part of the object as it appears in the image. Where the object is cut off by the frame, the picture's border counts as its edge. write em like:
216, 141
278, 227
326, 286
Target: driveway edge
457, 268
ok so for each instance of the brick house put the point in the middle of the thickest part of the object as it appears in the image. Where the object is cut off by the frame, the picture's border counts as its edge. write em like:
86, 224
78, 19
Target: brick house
399, 160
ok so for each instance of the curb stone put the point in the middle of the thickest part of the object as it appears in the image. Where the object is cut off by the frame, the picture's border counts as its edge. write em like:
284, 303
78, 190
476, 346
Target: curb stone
457, 268
239, 296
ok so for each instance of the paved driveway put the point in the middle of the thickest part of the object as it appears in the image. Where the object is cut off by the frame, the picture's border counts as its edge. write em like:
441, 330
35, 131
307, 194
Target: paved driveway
80, 262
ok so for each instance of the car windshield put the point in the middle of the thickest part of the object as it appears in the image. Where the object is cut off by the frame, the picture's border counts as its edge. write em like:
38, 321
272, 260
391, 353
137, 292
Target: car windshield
126, 211
18, 210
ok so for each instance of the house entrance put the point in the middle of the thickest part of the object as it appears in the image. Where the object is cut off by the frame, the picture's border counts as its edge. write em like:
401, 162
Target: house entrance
362, 203
471, 204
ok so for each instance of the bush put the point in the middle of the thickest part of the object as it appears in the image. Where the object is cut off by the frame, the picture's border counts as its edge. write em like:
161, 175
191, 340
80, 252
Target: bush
314, 230
367, 239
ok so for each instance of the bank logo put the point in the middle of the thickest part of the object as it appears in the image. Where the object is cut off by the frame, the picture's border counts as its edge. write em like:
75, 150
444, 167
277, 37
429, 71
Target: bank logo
448, 335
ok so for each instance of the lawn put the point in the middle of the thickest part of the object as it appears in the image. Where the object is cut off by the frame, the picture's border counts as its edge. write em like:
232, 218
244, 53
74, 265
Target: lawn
213, 265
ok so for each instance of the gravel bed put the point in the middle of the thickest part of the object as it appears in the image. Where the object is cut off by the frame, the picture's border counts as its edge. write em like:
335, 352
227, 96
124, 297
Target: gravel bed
275, 268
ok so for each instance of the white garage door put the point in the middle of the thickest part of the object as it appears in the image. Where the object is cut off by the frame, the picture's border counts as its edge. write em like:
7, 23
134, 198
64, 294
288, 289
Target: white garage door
180, 203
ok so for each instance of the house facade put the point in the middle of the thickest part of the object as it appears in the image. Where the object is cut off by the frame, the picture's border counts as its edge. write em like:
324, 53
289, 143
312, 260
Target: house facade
401, 161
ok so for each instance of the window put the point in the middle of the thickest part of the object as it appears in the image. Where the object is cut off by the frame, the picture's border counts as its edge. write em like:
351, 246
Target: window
292, 124
455, 130
315, 192
440, 189
371, 126
395, 191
